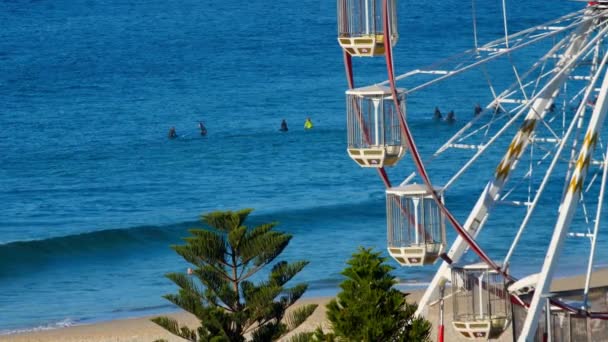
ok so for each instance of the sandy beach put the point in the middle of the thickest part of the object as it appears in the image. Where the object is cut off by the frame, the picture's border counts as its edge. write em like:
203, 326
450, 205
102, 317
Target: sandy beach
141, 329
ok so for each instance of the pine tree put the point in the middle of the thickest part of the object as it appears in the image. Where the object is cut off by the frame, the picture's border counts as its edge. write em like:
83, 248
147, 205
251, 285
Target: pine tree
369, 309
229, 306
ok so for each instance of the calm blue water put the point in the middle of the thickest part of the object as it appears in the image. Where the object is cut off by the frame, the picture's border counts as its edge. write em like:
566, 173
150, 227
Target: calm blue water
92, 192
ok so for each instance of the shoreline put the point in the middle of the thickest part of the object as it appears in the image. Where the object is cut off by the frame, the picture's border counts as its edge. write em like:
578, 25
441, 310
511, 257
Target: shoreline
137, 329
168, 310
140, 328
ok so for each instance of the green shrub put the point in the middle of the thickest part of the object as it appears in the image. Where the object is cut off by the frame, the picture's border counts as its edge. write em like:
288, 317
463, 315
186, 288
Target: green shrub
369, 309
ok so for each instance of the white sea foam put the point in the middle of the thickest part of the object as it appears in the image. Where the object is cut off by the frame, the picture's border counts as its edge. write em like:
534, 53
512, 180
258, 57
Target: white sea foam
64, 323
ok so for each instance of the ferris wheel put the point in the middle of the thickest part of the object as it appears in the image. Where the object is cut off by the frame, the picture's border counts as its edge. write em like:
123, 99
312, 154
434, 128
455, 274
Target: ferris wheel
547, 126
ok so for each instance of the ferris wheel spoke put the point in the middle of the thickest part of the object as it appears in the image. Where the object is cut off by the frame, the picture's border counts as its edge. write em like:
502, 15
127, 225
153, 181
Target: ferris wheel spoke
591, 182
460, 136
535, 113
527, 175
541, 189
595, 233
497, 47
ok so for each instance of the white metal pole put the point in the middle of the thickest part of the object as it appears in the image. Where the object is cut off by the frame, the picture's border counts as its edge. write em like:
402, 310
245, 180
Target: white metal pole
548, 330
416, 201
566, 213
367, 16
596, 227
474, 24
480, 296
376, 122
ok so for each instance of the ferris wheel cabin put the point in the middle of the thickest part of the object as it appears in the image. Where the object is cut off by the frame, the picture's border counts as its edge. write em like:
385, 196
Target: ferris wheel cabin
482, 305
415, 224
360, 29
374, 132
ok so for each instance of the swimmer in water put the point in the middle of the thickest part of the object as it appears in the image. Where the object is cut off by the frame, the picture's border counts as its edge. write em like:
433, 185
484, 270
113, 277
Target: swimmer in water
497, 108
308, 124
203, 129
450, 118
437, 114
478, 109
172, 133
283, 126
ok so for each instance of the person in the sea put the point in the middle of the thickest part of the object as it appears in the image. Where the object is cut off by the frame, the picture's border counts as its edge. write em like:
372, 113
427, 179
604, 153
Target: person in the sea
450, 118
283, 126
203, 129
592, 102
172, 134
437, 114
308, 124
497, 108
478, 109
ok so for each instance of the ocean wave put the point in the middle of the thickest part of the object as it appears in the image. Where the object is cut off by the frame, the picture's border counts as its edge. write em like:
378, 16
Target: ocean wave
152, 308
17, 255
108, 235
24, 253
64, 323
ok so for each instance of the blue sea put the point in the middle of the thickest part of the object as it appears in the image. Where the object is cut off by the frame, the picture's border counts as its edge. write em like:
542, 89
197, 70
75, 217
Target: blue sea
92, 193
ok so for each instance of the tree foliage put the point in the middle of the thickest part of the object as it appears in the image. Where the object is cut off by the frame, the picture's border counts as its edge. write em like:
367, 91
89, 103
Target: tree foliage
219, 293
369, 309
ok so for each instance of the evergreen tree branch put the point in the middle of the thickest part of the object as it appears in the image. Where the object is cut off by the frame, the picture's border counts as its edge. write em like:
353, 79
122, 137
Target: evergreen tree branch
251, 271
261, 301
268, 332
283, 271
226, 220
173, 327
185, 283
260, 230
267, 250
299, 316
235, 237
303, 337
263, 248
291, 295
220, 288
246, 255
188, 303
204, 246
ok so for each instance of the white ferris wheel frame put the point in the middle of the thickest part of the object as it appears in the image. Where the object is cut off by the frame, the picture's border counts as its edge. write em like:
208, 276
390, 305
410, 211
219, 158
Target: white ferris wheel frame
587, 32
